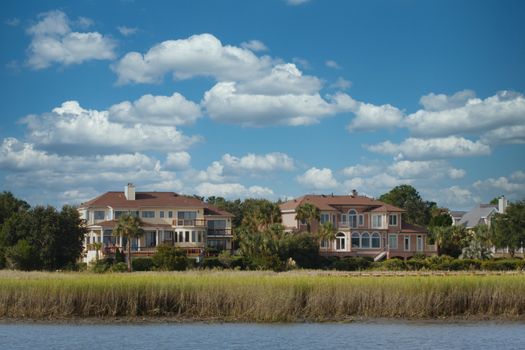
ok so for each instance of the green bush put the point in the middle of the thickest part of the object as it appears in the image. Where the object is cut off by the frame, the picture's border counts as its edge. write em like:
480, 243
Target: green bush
502, 265
442, 262
142, 264
22, 256
352, 264
119, 267
120, 256
394, 264
211, 262
170, 258
101, 266
415, 264
2, 259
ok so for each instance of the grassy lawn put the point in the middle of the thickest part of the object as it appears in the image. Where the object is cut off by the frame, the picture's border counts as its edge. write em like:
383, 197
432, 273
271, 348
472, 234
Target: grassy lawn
260, 296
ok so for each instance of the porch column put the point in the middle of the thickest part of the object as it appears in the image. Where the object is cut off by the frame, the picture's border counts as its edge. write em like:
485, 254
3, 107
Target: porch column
158, 237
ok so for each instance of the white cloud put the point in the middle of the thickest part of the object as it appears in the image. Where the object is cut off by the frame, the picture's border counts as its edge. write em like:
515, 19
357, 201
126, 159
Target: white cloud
213, 173
318, 179
454, 197
501, 183
177, 160
361, 170
446, 147
17, 155
259, 163
302, 62
375, 185
505, 134
12, 22
157, 110
518, 175
462, 113
233, 190
332, 64
53, 41
225, 103
372, 117
198, 55
254, 45
296, 2
341, 83
127, 31
72, 128
425, 169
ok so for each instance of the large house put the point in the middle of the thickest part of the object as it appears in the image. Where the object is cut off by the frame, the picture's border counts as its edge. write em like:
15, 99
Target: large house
363, 227
481, 214
167, 217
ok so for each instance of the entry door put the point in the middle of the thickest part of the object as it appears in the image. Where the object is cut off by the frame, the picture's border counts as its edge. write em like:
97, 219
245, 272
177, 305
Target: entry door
419, 243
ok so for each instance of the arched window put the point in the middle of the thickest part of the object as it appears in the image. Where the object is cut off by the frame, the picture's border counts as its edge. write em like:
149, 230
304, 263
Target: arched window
340, 241
365, 240
352, 218
355, 240
376, 240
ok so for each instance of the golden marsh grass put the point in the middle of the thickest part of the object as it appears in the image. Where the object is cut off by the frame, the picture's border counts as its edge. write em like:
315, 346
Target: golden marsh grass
258, 296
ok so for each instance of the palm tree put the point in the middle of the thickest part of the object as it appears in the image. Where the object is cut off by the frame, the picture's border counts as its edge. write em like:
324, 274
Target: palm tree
326, 232
97, 246
128, 226
309, 213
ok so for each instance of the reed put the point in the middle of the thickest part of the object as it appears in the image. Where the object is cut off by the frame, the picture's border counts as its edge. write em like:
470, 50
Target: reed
258, 296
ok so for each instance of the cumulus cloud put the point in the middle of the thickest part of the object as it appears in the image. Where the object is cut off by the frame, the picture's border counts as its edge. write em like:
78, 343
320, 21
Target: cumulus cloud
318, 179
370, 117
259, 163
434, 148
127, 31
425, 169
157, 110
501, 183
375, 184
341, 83
254, 45
18, 155
225, 103
505, 134
453, 197
233, 190
332, 64
53, 41
198, 55
361, 170
177, 160
462, 113
72, 128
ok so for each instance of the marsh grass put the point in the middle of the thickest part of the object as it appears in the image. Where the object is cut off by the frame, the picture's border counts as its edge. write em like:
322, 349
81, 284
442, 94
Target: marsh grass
258, 296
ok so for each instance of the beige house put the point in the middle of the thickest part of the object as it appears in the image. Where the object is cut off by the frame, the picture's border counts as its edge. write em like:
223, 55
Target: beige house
363, 227
168, 218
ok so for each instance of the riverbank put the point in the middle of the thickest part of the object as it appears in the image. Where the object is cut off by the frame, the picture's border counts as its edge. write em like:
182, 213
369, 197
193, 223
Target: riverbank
238, 296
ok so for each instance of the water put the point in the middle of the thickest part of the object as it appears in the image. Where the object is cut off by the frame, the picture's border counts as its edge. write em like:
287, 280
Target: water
256, 336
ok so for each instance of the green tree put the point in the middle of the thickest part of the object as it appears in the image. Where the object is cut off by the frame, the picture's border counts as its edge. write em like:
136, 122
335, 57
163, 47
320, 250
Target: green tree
170, 258
129, 227
9, 205
479, 244
259, 214
508, 229
450, 240
407, 197
440, 217
308, 213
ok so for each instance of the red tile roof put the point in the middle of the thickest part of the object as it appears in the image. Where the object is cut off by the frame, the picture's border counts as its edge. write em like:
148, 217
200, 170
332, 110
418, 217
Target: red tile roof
410, 228
331, 202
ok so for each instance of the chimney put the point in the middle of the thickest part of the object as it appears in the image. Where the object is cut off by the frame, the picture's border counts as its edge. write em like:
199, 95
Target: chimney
502, 204
129, 192
354, 193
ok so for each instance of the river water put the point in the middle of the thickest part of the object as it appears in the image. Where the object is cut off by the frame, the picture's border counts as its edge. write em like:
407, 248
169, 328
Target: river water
361, 335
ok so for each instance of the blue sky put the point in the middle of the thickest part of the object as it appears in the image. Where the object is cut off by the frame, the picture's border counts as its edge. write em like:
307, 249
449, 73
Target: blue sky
269, 99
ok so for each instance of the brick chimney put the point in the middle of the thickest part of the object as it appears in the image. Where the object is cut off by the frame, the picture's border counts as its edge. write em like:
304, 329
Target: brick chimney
129, 192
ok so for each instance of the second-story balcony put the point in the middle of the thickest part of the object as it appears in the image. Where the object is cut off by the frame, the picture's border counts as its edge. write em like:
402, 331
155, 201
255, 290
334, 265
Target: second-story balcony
189, 222
219, 232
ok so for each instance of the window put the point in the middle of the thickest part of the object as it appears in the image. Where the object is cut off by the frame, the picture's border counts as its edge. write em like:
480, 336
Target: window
340, 241
355, 240
377, 221
324, 218
108, 238
361, 220
343, 220
217, 227
150, 238
118, 213
148, 214
376, 240
186, 218
170, 214
168, 236
193, 236
365, 240
407, 243
161, 214
187, 236
199, 236
181, 236
100, 214
218, 244
392, 241
392, 220
419, 243
324, 243
352, 218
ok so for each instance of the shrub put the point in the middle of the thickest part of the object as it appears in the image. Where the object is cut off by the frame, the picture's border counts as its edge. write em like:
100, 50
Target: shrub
225, 258
120, 256
2, 259
142, 264
170, 258
101, 266
442, 262
352, 264
22, 256
119, 267
238, 262
416, 264
502, 265
394, 264
211, 262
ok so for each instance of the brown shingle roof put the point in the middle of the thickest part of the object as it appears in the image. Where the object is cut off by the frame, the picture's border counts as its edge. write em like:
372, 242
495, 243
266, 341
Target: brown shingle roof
144, 199
388, 208
410, 228
331, 202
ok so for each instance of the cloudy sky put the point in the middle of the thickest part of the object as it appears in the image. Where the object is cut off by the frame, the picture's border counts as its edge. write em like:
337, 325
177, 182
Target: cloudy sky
270, 99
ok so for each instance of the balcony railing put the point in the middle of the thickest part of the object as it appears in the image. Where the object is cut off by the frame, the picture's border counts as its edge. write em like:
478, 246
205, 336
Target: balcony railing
189, 222
219, 232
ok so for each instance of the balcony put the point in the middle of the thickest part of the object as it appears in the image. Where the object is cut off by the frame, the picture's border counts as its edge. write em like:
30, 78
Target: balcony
189, 222
219, 232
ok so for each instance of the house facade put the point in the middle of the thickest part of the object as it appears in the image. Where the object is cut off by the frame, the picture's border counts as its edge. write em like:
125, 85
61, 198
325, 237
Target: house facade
363, 227
167, 218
